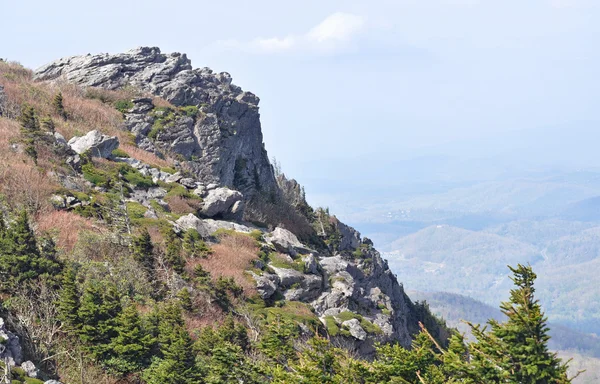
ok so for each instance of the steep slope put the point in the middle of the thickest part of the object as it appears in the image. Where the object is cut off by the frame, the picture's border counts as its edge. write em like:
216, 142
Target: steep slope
103, 170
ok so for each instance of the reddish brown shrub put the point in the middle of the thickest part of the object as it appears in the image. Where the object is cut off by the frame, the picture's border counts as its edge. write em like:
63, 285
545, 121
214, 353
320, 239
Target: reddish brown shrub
231, 257
65, 227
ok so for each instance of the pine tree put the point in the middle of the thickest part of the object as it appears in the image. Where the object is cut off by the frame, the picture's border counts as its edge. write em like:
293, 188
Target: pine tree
30, 131
57, 104
516, 351
100, 305
20, 258
143, 250
47, 124
68, 301
130, 349
173, 251
177, 362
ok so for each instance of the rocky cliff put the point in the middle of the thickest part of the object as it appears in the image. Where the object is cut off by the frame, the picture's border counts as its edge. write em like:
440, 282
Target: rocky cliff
219, 144
222, 143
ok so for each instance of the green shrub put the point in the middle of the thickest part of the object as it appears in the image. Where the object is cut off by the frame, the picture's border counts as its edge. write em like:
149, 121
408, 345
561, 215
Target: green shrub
189, 110
123, 105
95, 175
119, 153
135, 210
134, 177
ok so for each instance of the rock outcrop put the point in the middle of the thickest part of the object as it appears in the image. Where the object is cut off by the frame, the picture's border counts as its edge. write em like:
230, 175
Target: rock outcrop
95, 143
10, 346
224, 203
223, 143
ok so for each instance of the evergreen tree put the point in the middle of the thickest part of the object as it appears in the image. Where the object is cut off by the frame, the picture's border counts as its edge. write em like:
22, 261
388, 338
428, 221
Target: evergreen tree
130, 349
68, 301
30, 131
177, 359
173, 251
516, 351
47, 124
57, 104
20, 258
193, 245
143, 250
100, 306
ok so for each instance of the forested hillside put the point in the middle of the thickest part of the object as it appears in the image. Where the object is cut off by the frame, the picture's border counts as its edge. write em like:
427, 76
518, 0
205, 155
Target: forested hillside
146, 238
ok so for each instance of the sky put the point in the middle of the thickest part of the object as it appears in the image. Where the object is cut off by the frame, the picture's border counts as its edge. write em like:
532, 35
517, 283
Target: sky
348, 88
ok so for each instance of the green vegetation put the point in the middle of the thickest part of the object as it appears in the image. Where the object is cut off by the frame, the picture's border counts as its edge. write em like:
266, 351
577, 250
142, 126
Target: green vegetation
119, 153
59, 108
123, 105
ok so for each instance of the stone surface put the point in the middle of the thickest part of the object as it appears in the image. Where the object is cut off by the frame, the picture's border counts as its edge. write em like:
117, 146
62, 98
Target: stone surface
52, 382
355, 329
30, 369
10, 347
96, 143
350, 237
310, 264
223, 144
266, 285
207, 227
285, 241
221, 203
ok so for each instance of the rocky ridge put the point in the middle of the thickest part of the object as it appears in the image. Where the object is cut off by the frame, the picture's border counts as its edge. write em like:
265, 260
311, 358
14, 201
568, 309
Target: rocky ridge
222, 143
348, 284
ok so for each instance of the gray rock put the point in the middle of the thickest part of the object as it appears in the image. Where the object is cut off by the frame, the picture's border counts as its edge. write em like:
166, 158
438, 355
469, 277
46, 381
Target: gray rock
52, 382
350, 237
96, 143
58, 201
266, 284
355, 329
200, 191
310, 264
285, 241
74, 162
188, 182
288, 277
212, 186
174, 178
221, 202
135, 163
10, 347
59, 138
150, 214
208, 227
30, 369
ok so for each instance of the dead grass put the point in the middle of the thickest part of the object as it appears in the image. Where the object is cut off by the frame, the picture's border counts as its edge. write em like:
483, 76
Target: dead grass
145, 156
65, 227
231, 257
182, 206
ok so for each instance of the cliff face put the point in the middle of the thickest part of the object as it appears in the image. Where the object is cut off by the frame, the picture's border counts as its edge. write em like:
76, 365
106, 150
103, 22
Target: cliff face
222, 143
347, 283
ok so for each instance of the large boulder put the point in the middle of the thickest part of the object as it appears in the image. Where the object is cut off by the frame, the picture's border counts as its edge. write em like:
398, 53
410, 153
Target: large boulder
10, 346
286, 242
30, 369
208, 227
266, 284
223, 203
96, 143
355, 329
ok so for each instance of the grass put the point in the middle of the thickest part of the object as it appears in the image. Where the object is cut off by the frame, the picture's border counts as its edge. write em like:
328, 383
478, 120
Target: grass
280, 261
291, 310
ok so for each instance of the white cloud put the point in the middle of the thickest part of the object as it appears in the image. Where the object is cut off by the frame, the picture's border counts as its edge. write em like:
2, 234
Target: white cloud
339, 26
332, 34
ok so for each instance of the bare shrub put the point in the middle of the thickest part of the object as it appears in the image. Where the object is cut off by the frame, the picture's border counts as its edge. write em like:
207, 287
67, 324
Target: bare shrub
65, 227
231, 257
